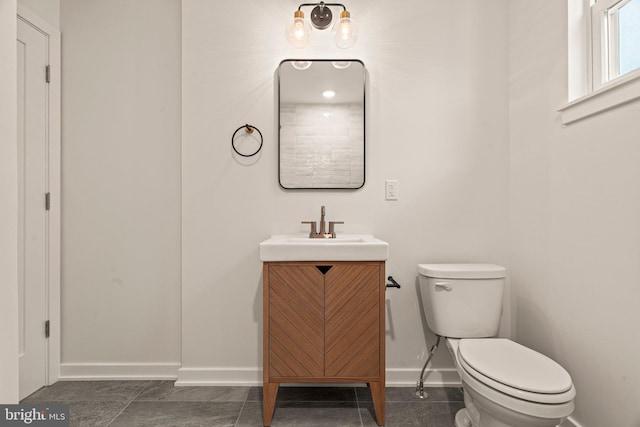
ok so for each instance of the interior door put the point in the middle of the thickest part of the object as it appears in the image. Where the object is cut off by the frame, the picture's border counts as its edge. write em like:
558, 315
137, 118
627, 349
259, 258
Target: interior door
33, 113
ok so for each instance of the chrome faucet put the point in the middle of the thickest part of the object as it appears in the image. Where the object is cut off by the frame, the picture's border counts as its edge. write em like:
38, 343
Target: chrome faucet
313, 234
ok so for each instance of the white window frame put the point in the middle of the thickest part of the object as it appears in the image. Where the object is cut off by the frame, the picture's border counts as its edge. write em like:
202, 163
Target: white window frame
594, 83
604, 34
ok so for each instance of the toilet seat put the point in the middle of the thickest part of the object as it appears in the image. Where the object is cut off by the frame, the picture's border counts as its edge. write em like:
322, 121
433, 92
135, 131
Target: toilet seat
515, 370
488, 397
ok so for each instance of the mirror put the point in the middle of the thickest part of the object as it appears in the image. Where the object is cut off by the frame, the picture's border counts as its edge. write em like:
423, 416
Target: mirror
321, 122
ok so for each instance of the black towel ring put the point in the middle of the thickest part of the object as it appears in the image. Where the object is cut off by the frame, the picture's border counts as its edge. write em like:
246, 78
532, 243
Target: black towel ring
248, 129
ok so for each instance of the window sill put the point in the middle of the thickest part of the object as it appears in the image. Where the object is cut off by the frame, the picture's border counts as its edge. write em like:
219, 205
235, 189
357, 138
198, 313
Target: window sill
613, 94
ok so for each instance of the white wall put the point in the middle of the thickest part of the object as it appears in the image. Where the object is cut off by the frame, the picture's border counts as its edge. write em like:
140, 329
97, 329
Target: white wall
49, 10
9, 206
121, 187
575, 229
436, 121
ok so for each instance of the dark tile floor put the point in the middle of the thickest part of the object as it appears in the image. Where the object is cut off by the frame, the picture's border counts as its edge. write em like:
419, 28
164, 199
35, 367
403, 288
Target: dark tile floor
161, 404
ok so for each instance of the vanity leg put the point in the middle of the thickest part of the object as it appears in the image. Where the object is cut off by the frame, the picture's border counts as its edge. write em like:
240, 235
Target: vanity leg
269, 393
377, 393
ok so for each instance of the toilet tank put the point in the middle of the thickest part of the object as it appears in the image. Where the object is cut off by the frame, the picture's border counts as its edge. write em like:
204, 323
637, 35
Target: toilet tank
462, 300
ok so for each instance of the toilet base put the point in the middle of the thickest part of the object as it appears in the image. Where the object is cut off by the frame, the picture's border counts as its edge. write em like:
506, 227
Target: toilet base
462, 418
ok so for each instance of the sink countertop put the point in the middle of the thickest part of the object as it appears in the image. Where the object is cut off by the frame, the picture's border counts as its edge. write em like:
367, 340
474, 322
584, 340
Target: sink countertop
346, 247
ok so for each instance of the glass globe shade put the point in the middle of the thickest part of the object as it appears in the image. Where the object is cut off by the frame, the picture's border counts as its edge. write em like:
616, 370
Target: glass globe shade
298, 32
345, 31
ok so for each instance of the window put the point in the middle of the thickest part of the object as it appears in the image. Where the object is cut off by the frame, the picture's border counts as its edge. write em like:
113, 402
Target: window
615, 39
603, 57
629, 36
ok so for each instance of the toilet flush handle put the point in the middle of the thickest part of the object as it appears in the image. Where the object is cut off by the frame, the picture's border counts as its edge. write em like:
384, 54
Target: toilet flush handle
444, 285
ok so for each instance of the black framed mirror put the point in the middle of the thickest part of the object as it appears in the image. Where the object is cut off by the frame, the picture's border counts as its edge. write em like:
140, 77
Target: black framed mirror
321, 121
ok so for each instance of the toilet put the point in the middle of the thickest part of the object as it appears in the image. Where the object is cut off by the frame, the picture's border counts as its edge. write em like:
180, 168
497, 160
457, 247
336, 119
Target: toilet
505, 384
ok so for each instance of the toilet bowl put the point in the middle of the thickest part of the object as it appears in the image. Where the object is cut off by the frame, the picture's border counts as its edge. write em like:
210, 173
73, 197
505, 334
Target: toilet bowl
510, 385
505, 384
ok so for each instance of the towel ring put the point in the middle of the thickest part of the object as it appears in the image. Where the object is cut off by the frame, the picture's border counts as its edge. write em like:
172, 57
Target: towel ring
248, 129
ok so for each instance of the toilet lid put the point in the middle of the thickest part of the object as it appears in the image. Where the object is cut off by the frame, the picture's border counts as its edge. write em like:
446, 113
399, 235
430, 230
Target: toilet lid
462, 271
514, 365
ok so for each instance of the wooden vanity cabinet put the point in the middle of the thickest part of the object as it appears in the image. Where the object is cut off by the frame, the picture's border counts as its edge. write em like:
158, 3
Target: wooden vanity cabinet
324, 322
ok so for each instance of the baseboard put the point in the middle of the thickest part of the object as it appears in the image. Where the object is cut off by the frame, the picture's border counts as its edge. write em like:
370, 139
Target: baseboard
253, 376
227, 376
432, 377
118, 371
219, 376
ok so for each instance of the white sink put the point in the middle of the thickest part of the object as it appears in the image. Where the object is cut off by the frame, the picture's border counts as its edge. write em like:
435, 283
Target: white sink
342, 248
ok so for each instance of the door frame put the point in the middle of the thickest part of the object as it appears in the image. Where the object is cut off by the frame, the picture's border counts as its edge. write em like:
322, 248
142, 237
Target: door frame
53, 248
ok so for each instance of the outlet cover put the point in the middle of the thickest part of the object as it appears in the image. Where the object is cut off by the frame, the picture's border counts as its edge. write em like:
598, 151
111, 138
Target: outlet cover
391, 189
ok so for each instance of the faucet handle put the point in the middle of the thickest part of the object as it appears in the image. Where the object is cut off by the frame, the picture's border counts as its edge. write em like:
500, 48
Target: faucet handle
313, 227
332, 230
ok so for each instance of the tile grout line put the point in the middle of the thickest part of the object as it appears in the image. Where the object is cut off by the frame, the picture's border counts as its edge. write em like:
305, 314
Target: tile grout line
358, 406
241, 409
119, 413
127, 405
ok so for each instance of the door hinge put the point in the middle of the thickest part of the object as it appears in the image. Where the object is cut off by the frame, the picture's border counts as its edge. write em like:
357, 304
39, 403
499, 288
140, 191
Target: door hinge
46, 329
48, 73
47, 201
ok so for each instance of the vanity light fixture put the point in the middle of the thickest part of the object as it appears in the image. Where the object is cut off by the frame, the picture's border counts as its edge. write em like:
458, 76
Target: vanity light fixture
345, 31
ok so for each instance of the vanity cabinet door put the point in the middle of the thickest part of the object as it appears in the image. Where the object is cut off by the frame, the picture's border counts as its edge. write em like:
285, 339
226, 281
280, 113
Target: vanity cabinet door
296, 321
352, 320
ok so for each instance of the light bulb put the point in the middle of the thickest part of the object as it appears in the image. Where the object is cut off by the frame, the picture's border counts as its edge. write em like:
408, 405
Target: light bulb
345, 31
341, 65
298, 32
301, 65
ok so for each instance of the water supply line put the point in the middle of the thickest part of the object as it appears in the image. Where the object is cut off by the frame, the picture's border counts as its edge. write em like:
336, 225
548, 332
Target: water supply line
420, 386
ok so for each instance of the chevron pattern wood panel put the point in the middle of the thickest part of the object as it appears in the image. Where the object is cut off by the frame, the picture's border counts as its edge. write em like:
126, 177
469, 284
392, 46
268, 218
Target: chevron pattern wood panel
352, 321
296, 321
324, 322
